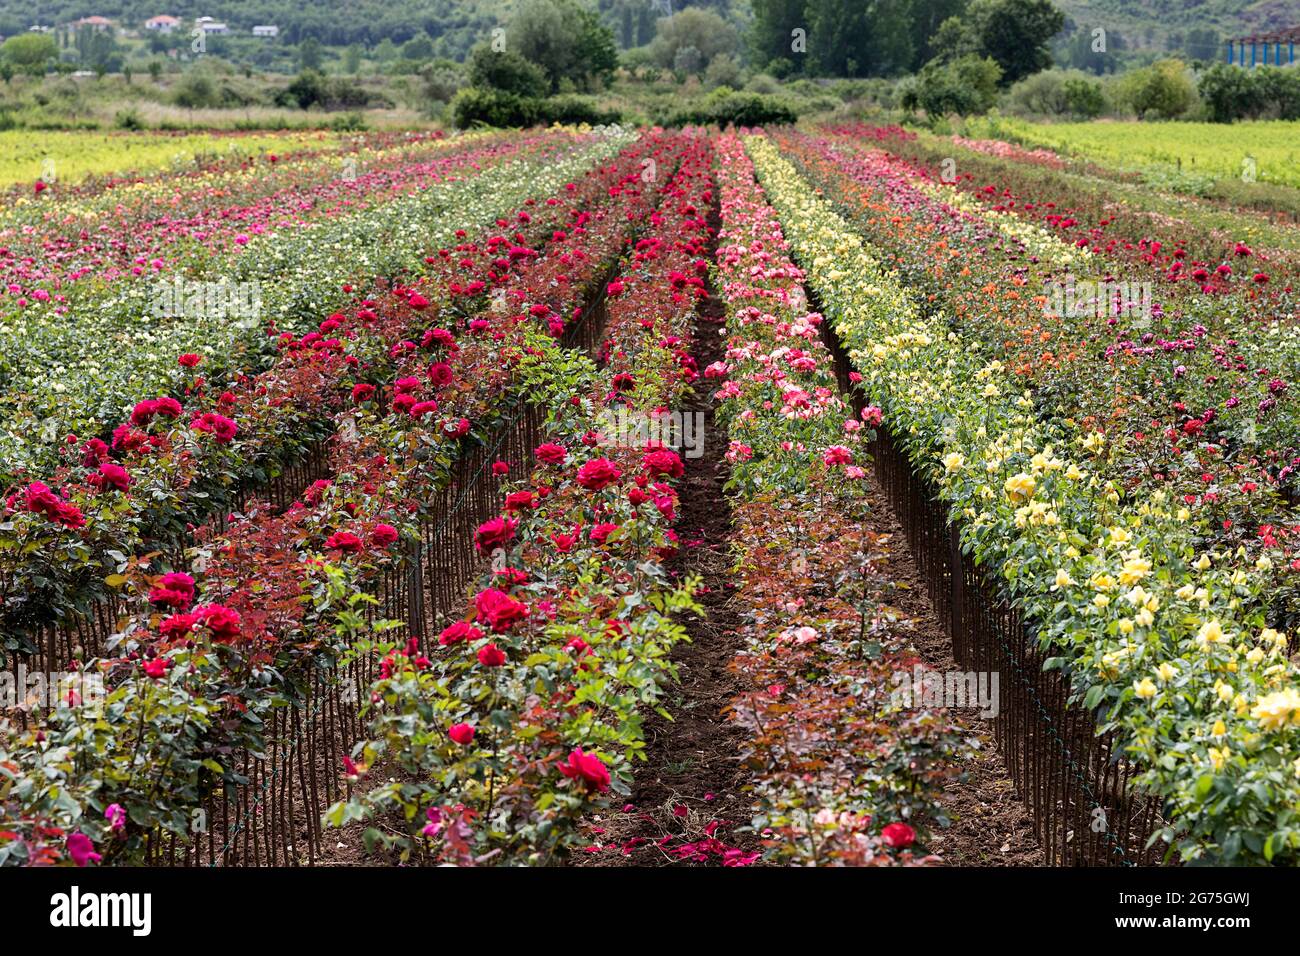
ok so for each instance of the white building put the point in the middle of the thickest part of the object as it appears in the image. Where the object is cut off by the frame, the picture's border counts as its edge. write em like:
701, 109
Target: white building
209, 25
162, 23
268, 30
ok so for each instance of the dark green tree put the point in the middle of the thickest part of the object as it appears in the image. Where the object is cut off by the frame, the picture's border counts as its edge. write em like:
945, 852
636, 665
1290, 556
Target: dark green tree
927, 17
860, 37
309, 54
770, 36
566, 39
506, 71
1015, 33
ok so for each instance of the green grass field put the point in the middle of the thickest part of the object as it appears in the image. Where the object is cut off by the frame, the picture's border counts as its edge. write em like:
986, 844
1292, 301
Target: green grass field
1208, 149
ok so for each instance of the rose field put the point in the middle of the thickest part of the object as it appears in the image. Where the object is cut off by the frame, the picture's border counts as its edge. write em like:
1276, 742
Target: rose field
828, 494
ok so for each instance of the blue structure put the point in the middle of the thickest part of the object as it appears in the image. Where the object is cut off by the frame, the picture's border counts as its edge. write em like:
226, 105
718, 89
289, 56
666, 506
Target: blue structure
1259, 44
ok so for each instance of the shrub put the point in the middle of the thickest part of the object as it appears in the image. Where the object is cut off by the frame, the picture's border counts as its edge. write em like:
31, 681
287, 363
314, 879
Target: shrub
507, 72
967, 85
725, 106
1232, 92
572, 108
1163, 88
1083, 97
488, 107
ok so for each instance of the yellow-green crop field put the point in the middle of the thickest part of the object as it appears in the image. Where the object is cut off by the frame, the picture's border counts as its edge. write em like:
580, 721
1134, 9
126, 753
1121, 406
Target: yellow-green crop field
27, 155
1211, 149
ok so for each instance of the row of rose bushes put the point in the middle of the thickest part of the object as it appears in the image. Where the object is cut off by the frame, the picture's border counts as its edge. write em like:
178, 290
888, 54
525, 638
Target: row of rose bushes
53, 566
527, 718
1197, 407
1173, 240
1208, 371
841, 773
1164, 637
71, 363
103, 231
275, 599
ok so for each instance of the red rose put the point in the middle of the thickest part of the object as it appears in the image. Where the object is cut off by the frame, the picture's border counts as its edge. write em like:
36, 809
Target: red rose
495, 533
93, 452
598, 473
178, 625
70, 517
156, 667
462, 734
499, 610
112, 475
460, 631
190, 360
223, 622
602, 531
837, 455
520, 501
345, 541
440, 374
144, 412
316, 491
362, 392
586, 768
219, 426
384, 535
551, 454
173, 590
898, 835
489, 655
457, 429
39, 499
663, 462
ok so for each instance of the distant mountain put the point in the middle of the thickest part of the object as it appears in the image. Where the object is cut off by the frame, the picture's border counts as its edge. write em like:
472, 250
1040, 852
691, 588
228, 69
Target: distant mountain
1166, 25
332, 22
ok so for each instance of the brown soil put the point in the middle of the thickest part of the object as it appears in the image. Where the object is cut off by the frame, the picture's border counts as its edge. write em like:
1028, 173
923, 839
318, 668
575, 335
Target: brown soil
689, 789
990, 825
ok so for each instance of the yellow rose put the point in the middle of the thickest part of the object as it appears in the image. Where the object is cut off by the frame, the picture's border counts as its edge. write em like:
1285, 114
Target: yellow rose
1275, 711
1020, 487
1218, 757
1211, 632
1145, 688
1135, 569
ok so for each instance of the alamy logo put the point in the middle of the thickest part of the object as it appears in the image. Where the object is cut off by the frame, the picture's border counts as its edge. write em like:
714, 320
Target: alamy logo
41, 690
184, 299
77, 909
1073, 299
680, 431
921, 687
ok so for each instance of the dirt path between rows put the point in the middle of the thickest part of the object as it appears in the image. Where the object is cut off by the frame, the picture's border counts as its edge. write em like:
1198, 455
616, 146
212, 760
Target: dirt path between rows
687, 798
989, 823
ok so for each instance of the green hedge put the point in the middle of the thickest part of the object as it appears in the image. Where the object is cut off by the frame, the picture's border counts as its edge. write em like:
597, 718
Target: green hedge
475, 106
